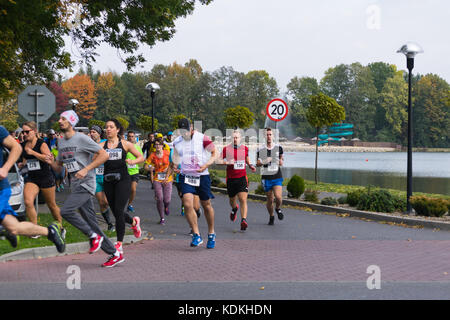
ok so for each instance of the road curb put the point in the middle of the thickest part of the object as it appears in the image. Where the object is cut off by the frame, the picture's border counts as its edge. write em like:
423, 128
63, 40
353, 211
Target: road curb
376, 216
50, 251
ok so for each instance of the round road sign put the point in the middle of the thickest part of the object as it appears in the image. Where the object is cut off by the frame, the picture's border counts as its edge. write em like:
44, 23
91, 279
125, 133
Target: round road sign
277, 110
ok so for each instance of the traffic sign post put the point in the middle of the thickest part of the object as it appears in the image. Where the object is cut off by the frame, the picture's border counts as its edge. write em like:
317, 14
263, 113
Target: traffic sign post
36, 103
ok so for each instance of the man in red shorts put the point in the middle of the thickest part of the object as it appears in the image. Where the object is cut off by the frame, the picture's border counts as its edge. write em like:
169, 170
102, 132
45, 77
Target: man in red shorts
235, 156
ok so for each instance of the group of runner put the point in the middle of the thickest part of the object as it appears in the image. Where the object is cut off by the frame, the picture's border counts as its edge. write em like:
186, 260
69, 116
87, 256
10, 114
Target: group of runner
106, 166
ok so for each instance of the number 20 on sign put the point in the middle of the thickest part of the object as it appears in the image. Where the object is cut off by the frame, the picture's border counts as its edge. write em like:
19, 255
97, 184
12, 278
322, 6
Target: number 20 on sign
277, 109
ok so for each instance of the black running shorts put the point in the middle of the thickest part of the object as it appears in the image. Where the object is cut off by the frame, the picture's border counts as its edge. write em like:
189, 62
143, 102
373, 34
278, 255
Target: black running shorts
236, 185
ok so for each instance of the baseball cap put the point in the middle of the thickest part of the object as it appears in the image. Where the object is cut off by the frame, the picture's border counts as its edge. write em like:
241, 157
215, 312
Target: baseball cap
169, 133
184, 124
51, 131
159, 135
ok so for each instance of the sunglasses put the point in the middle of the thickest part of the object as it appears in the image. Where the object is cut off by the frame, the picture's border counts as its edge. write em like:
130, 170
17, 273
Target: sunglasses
26, 131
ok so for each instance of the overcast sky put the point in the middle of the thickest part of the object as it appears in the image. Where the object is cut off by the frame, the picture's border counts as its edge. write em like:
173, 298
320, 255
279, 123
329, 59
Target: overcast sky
289, 38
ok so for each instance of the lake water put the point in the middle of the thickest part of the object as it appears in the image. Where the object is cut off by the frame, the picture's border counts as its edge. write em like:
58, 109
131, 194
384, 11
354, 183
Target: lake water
431, 170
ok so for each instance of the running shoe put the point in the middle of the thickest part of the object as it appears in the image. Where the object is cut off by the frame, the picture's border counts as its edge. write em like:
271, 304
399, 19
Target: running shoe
11, 238
137, 228
54, 235
113, 260
130, 208
199, 212
196, 240
57, 189
271, 220
95, 243
280, 214
61, 187
244, 224
118, 246
63, 233
211, 241
234, 213
162, 222
182, 210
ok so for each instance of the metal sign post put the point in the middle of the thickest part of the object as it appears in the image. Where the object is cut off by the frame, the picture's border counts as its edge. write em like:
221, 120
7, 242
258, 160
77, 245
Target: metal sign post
31, 110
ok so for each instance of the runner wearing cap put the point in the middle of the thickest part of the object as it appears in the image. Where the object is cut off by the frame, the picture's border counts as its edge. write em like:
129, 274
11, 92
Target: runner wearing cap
8, 218
235, 156
195, 152
80, 155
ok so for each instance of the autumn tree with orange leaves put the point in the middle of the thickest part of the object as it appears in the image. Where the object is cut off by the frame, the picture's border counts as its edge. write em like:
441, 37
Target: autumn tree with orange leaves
82, 88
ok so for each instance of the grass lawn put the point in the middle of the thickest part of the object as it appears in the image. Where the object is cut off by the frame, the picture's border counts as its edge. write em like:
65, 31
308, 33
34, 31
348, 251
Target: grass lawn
44, 219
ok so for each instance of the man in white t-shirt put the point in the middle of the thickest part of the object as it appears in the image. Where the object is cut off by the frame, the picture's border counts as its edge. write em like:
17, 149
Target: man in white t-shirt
195, 152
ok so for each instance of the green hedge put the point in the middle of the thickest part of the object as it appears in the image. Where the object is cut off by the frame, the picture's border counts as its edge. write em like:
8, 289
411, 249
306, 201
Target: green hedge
429, 207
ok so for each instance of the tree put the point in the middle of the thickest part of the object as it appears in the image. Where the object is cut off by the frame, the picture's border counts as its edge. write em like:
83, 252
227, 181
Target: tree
82, 88
175, 119
124, 122
145, 123
26, 25
109, 96
394, 99
9, 125
95, 122
240, 117
301, 89
323, 111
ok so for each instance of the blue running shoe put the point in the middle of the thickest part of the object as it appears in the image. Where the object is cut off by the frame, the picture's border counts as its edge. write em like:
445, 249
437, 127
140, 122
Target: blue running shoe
196, 240
211, 241
130, 208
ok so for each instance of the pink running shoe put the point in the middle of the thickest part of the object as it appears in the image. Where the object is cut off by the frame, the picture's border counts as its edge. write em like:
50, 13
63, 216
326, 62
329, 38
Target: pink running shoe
119, 247
95, 243
137, 228
113, 260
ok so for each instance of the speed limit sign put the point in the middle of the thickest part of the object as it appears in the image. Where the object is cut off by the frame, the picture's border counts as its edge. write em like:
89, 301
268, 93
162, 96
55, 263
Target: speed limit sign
277, 110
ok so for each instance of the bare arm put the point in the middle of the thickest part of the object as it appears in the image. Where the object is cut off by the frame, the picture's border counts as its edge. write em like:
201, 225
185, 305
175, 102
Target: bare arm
15, 151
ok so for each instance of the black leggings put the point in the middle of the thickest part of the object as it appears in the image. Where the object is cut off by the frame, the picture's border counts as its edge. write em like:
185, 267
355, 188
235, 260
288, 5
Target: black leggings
118, 193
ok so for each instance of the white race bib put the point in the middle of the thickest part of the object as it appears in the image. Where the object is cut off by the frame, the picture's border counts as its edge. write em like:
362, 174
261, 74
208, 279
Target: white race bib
132, 166
99, 171
239, 165
33, 165
272, 167
161, 176
192, 180
115, 154
71, 165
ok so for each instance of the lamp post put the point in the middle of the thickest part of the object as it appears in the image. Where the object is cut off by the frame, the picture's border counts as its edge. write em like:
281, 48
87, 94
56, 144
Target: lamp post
73, 103
410, 50
152, 87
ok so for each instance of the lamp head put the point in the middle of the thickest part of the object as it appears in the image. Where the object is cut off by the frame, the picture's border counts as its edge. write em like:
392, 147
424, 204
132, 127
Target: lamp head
152, 86
410, 49
73, 103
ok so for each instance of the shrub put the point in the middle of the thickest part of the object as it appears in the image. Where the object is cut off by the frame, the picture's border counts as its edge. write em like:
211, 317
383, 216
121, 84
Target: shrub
329, 201
378, 200
342, 200
311, 196
353, 197
399, 203
215, 180
429, 207
296, 186
260, 190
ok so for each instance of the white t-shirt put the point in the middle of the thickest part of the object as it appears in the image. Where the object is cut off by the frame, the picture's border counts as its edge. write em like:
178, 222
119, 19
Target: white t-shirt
192, 153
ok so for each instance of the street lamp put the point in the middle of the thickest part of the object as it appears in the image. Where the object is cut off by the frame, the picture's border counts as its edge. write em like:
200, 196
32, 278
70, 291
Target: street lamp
410, 50
73, 103
152, 87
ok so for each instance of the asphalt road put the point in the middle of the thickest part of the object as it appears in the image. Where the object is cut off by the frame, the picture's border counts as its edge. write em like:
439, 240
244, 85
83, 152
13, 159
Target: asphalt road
308, 255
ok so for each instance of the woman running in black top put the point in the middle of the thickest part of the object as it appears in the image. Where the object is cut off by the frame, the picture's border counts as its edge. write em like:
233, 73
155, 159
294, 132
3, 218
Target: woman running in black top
39, 176
117, 181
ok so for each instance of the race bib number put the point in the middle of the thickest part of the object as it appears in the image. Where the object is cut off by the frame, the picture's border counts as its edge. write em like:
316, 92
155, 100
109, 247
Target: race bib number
161, 176
33, 165
100, 171
132, 166
239, 165
192, 181
272, 167
72, 165
114, 154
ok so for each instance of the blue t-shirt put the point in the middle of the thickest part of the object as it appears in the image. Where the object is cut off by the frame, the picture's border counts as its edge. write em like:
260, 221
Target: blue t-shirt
3, 134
